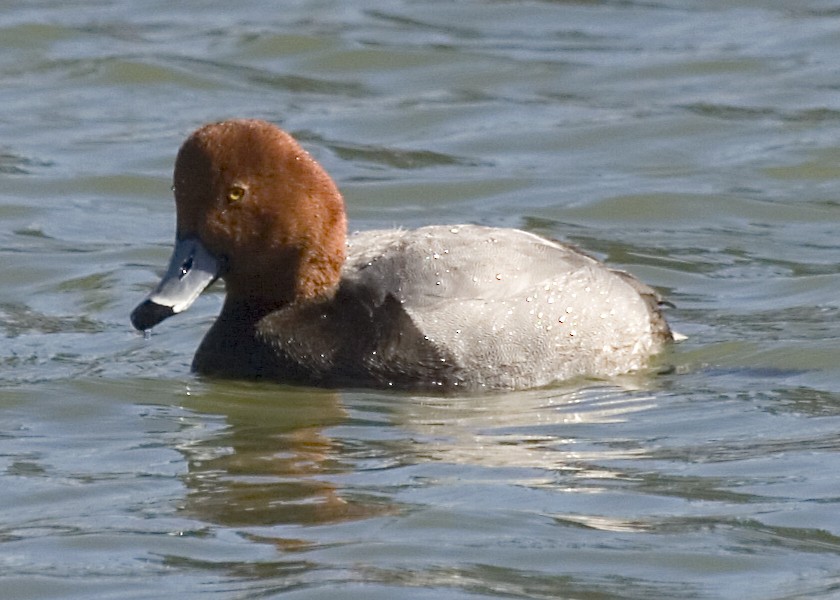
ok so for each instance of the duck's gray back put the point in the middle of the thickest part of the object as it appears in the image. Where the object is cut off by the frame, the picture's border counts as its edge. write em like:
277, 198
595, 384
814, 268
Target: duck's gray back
510, 308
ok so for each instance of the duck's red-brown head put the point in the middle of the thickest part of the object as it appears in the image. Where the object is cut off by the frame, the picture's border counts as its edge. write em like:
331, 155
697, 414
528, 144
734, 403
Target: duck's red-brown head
256, 209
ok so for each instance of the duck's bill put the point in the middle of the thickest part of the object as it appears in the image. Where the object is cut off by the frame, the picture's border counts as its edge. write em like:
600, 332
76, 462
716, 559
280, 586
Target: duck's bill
191, 270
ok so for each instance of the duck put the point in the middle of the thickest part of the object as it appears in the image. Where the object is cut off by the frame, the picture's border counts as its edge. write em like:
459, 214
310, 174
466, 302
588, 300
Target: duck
440, 307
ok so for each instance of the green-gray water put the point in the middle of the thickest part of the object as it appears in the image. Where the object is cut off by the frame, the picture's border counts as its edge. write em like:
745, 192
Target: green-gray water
695, 144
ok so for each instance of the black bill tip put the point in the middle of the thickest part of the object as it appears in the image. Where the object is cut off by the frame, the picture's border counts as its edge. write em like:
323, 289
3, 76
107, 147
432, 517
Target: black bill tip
148, 314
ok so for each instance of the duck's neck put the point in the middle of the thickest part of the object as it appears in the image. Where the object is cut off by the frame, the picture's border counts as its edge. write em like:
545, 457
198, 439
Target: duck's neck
250, 308
291, 277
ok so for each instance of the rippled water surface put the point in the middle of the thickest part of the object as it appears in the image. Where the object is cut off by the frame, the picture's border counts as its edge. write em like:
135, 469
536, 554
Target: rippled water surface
695, 144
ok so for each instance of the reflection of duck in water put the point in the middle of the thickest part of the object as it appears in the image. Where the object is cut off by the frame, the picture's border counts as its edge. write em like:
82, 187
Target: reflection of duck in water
284, 458
271, 464
442, 307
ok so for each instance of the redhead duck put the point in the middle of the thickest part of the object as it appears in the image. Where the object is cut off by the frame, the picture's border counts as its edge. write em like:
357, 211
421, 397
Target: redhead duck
440, 307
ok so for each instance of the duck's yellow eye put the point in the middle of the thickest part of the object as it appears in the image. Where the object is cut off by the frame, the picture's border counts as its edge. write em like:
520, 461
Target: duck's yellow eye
236, 193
